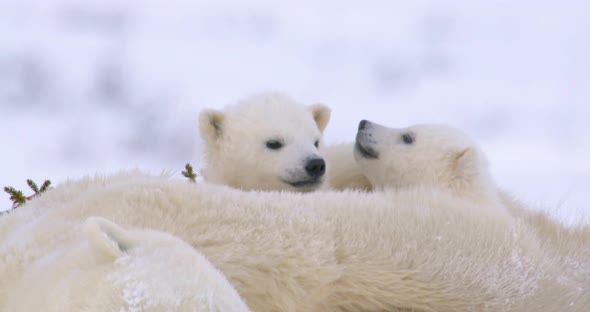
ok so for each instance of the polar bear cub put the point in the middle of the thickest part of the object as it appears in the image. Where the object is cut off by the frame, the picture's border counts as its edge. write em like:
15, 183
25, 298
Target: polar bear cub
265, 142
427, 155
98, 266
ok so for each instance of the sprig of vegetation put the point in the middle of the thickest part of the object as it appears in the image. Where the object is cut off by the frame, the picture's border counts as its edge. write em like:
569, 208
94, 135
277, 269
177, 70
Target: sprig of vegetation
18, 198
189, 173
33, 186
45, 186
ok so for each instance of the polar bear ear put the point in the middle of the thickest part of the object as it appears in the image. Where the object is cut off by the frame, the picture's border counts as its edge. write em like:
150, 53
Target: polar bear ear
211, 125
465, 165
107, 237
321, 114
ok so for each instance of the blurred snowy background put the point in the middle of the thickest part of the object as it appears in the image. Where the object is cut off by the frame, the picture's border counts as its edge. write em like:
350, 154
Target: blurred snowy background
102, 85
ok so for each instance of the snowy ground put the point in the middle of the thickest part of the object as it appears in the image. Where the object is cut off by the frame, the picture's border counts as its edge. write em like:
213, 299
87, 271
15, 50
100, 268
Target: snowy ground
101, 85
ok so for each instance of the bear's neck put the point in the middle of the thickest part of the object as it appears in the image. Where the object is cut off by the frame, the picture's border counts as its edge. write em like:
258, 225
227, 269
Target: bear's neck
480, 188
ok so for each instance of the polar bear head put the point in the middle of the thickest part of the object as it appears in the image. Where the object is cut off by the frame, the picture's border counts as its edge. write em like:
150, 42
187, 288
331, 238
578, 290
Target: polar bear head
421, 155
265, 142
113, 269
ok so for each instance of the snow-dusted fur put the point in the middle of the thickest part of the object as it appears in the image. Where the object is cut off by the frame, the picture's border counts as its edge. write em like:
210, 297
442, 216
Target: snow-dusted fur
567, 246
411, 249
236, 139
50, 261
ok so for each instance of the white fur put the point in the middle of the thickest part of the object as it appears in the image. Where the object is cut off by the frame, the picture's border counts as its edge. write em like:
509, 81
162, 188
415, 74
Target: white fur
53, 263
410, 249
439, 156
344, 173
235, 142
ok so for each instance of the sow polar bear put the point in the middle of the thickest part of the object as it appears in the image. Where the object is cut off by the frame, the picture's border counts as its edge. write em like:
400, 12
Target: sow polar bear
48, 263
265, 142
413, 249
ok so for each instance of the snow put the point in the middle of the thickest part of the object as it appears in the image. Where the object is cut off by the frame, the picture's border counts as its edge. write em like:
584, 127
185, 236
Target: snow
101, 85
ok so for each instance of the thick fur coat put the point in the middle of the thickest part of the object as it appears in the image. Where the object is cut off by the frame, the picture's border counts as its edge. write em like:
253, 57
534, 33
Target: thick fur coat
406, 250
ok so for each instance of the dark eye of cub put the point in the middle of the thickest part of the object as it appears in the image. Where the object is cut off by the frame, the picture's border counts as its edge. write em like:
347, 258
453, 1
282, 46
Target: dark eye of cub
274, 144
408, 138
317, 144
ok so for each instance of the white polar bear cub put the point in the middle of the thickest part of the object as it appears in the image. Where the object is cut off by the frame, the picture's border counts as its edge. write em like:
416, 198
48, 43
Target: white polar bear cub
99, 266
265, 142
428, 155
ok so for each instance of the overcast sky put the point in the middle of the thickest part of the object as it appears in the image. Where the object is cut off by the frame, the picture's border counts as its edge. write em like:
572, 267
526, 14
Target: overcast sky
98, 86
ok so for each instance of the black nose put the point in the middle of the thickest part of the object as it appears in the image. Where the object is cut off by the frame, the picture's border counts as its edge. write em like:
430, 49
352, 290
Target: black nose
362, 124
316, 167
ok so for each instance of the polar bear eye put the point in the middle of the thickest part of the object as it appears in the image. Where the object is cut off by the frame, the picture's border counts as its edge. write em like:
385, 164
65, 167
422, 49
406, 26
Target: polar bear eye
317, 144
408, 138
274, 144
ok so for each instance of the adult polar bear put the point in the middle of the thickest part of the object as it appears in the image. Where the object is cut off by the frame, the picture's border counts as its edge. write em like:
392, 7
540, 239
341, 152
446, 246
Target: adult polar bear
411, 249
50, 264
265, 142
